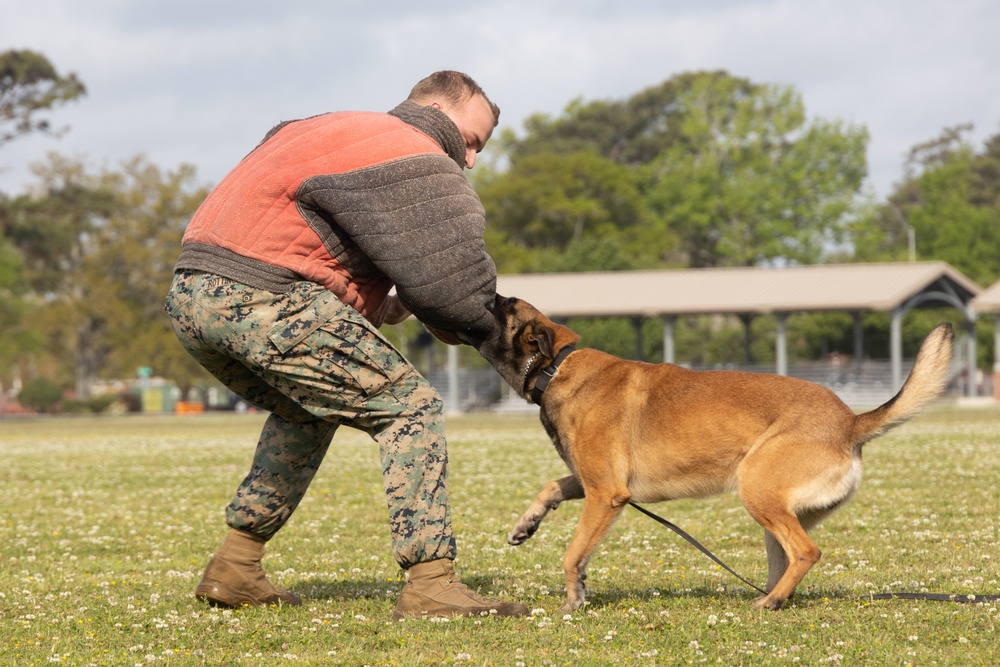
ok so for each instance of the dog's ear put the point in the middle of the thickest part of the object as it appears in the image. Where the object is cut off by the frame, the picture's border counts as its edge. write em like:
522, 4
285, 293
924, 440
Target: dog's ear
545, 338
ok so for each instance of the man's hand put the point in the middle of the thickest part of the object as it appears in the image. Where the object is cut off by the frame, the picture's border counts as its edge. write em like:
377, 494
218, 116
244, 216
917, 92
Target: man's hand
446, 337
397, 312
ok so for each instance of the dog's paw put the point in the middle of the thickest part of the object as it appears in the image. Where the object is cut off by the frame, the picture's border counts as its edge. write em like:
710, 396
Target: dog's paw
576, 593
572, 604
524, 529
521, 534
766, 602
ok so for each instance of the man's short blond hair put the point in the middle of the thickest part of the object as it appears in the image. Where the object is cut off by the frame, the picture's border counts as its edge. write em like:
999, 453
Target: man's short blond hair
454, 87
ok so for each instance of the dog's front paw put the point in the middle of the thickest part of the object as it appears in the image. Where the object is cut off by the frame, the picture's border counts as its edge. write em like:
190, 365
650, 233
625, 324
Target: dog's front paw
522, 532
576, 597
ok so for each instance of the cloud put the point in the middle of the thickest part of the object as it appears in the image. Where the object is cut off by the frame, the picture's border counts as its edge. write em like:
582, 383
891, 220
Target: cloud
200, 82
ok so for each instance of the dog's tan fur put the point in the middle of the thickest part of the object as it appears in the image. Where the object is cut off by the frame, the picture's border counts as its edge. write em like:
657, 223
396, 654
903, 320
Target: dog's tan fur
632, 431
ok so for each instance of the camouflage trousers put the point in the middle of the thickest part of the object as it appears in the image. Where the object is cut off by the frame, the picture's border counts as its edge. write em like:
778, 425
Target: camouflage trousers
314, 364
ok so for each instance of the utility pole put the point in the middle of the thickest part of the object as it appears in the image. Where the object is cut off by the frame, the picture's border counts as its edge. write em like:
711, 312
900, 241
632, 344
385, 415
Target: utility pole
911, 236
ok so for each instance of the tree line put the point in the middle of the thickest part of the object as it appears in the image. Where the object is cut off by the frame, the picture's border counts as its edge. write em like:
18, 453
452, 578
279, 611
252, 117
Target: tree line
702, 170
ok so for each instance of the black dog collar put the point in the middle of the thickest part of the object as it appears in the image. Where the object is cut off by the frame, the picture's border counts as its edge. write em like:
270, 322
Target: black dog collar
543, 379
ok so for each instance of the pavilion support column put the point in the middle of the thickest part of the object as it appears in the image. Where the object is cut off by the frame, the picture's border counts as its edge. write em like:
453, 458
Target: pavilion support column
668, 339
747, 319
859, 340
781, 346
896, 348
452, 404
971, 388
996, 358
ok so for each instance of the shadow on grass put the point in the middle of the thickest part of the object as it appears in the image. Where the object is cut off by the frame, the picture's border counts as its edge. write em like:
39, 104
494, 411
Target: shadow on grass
347, 589
619, 596
368, 588
804, 599
380, 589
738, 595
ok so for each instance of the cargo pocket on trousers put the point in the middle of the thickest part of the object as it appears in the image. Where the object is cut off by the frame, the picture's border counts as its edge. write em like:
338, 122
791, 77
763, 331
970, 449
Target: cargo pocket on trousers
343, 344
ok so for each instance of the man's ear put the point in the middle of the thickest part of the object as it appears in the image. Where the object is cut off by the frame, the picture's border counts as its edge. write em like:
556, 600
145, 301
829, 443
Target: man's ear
545, 338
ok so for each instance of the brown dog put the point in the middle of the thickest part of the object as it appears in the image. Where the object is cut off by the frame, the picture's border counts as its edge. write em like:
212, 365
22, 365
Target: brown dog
632, 431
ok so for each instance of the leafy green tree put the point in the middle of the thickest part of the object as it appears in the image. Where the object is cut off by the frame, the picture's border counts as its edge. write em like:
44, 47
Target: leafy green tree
949, 200
548, 205
99, 252
953, 205
945, 220
142, 244
705, 169
30, 86
53, 228
749, 182
632, 132
13, 336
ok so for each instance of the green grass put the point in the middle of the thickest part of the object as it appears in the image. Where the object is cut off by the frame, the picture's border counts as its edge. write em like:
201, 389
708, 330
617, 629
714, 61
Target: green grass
107, 523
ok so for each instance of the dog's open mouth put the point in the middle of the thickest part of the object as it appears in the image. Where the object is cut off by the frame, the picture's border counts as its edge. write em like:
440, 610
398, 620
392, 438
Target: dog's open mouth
527, 369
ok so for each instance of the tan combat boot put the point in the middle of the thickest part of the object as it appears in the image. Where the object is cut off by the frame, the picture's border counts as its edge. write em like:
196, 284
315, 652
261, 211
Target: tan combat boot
434, 590
234, 576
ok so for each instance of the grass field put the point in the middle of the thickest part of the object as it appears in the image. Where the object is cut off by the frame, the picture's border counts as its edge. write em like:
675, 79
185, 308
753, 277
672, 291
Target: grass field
108, 522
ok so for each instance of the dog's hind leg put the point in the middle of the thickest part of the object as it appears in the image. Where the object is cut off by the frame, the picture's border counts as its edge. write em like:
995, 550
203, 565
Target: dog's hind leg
784, 534
549, 498
777, 562
788, 485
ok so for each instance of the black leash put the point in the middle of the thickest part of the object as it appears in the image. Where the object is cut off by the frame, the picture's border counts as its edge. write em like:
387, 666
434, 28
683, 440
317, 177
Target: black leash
944, 597
677, 529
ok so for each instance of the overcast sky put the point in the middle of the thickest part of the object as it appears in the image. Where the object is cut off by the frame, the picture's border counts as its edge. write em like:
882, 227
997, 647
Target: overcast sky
201, 81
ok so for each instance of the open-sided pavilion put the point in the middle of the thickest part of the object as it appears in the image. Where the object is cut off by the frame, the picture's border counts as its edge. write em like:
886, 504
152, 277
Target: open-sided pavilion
988, 302
895, 288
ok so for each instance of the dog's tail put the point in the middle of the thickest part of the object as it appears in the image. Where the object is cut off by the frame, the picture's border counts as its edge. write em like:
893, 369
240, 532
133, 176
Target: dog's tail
925, 383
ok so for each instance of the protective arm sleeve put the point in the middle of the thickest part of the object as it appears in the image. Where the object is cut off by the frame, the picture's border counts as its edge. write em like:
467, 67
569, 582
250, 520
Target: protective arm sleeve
418, 222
